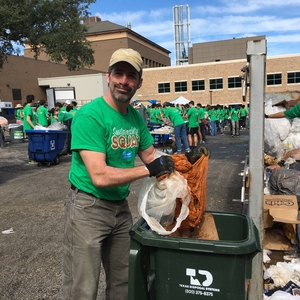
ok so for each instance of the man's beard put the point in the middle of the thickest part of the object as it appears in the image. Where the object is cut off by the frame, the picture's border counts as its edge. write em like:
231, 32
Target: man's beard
119, 96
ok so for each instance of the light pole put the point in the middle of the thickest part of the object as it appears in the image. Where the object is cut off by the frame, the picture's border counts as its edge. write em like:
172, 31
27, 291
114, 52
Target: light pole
210, 96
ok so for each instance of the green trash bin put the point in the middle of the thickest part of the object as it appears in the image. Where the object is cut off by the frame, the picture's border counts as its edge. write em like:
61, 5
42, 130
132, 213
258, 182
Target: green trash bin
167, 267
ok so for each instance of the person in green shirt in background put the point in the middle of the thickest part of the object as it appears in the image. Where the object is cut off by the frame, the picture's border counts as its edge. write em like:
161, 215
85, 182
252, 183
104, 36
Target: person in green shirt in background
243, 116
157, 110
155, 119
74, 107
19, 114
220, 120
42, 114
29, 117
193, 125
226, 116
29, 121
202, 122
213, 117
173, 114
235, 115
65, 117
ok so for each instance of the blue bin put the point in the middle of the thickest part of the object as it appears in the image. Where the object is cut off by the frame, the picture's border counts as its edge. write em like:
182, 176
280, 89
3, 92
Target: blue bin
165, 137
10, 111
46, 145
156, 136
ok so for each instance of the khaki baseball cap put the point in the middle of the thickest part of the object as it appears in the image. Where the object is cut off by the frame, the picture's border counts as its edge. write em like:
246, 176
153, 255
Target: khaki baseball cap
128, 55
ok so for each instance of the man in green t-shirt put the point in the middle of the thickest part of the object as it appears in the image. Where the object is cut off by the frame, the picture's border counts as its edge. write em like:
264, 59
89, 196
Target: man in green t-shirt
65, 117
173, 114
28, 114
107, 134
193, 126
29, 120
234, 116
42, 114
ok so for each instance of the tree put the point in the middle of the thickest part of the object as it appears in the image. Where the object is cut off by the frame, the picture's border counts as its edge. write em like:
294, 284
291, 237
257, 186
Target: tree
51, 26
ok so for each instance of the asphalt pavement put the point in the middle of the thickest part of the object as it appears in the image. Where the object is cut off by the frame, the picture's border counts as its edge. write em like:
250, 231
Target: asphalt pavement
31, 214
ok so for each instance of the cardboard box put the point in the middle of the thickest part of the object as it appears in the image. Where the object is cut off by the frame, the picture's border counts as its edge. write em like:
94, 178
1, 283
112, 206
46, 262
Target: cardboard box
283, 209
276, 240
280, 208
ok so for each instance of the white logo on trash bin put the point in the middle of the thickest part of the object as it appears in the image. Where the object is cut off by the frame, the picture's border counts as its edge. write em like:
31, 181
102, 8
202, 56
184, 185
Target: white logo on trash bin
52, 145
200, 277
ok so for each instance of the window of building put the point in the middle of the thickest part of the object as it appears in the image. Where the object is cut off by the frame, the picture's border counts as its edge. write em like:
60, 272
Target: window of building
180, 86
198, 85
274, 79
293, 77
16, 93
216, 83
234, 82
164, 87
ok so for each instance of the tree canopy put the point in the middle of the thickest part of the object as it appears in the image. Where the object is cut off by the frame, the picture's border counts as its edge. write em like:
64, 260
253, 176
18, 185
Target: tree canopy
51, 26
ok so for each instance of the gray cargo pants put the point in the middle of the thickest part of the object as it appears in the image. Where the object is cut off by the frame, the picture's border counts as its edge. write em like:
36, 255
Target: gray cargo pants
95, 231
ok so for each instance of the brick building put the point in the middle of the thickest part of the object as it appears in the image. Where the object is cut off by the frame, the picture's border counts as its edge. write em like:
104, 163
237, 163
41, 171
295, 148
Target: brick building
19, 78
220, 50
106, 37
216, 82
207, 79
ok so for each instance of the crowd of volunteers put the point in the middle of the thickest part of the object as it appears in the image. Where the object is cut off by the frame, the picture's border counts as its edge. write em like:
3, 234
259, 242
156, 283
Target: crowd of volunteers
199, 120
31, 116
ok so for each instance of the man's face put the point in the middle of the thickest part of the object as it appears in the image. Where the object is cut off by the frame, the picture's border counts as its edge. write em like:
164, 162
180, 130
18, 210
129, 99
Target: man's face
123, 82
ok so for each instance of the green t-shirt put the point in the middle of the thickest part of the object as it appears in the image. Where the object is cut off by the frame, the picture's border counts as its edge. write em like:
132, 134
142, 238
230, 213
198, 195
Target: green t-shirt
174, 115
98, 127
243, 112
42, 114
201, 112
28, 112
212, 115
193, 114
18, 115
64, 116
235, 114
226, 113
73, 111
220, 114
155, 116
293, 112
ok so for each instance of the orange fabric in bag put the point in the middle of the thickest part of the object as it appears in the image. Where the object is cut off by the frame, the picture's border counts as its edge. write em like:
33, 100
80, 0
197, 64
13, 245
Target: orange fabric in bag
196, 177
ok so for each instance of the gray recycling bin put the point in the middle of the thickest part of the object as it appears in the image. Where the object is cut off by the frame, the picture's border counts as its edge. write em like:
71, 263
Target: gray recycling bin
16, 133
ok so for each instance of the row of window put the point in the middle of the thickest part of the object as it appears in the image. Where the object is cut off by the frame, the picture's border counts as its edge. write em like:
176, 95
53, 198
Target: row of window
275, 79
148, 63
199, 85
217, 83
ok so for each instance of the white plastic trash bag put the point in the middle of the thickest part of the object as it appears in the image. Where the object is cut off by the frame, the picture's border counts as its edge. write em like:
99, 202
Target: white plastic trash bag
276, 130
157, 202
281, 295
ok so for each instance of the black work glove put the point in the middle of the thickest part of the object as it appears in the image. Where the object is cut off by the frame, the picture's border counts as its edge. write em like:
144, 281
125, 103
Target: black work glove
161, 165
266, 116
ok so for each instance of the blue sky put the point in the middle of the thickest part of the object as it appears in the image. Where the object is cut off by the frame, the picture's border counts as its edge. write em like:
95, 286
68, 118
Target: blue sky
210, 20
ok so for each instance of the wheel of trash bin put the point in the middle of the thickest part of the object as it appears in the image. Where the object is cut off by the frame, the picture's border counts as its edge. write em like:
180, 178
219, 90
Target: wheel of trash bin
47, 164
57, 160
